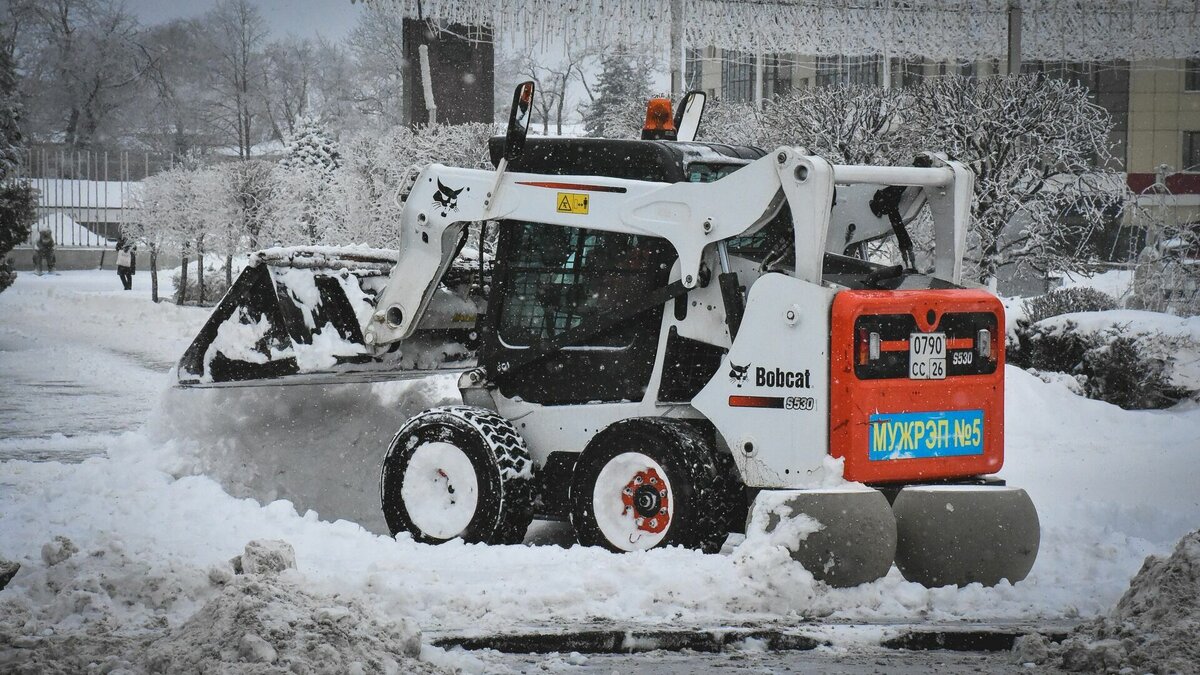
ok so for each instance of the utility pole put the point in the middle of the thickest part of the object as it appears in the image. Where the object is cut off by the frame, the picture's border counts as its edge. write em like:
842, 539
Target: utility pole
677, 54
1014, 37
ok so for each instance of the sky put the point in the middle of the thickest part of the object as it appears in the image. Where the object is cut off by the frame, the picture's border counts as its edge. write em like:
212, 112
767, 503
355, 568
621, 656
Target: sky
304, 18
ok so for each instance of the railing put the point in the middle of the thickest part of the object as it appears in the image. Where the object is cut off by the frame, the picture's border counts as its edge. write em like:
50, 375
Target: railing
84, 195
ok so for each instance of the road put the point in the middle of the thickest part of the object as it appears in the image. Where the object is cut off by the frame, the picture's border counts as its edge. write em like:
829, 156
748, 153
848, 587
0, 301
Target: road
79, 367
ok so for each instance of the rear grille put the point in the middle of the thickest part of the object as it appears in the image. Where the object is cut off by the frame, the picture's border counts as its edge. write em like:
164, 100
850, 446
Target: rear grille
961, 329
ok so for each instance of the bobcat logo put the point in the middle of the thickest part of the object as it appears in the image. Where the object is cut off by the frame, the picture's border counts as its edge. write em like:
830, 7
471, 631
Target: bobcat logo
738, 374
446, 199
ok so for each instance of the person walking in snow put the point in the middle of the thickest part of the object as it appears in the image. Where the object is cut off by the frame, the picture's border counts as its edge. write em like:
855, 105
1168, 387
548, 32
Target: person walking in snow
43, 252
126, 267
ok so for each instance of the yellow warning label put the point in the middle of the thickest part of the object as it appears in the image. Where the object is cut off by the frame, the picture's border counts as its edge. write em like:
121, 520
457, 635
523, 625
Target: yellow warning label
572, 202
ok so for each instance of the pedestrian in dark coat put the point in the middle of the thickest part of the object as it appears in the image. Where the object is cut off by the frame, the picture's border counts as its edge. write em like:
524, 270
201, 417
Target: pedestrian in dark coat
126, 262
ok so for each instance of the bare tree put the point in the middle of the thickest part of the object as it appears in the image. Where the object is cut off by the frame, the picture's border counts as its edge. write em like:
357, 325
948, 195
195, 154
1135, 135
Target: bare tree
81, 60
376, 43
236, 34
289, 69
173, 96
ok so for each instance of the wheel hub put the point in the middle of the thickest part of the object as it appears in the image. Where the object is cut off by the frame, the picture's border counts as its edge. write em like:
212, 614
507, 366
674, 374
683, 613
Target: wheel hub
646, 496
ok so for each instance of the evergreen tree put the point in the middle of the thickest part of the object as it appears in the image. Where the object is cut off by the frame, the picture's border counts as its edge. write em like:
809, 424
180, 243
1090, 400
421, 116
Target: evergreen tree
310, 147
623, 78
18, 201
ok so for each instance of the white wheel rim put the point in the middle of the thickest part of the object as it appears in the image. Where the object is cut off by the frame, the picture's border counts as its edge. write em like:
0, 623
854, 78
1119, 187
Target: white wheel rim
619, 522
440, 490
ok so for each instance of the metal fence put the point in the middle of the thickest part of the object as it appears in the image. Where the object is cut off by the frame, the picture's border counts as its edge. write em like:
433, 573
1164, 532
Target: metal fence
85, 195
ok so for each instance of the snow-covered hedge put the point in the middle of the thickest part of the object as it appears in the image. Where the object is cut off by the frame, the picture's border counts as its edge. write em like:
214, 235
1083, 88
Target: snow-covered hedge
1130, 358
1067, 301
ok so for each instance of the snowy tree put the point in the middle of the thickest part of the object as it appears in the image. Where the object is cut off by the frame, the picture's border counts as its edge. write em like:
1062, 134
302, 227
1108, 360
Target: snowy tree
1167, 275
178, 209
151, 201
367, 192
1041, 153
376, 43
623, 80
18, 201
311, 148
848, 124
305, 178
1039, 148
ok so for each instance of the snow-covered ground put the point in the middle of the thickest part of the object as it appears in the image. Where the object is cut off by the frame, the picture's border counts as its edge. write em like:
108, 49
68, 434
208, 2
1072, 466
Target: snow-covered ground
80, 357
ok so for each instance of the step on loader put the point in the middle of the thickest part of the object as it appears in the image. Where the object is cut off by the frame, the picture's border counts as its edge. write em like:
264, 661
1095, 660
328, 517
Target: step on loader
653, 340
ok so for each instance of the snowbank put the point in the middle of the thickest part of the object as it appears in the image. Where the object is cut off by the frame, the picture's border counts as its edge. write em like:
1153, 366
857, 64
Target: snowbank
102, 607
1154, 626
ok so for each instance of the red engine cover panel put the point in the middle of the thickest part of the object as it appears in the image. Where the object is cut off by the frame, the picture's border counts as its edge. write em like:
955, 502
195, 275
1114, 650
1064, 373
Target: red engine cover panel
853, 400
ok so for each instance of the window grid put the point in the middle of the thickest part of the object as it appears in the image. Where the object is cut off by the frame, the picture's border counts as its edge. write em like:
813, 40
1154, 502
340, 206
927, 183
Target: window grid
737, 77
1191, 151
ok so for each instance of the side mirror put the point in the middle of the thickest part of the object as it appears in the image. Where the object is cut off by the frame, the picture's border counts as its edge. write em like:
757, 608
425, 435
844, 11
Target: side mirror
688, 114
518, 120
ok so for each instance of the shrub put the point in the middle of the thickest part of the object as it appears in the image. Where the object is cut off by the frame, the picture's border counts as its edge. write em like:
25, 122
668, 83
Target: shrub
1067, 301
1118, 372
1113, 365
7, 275
214, 287
1057, 348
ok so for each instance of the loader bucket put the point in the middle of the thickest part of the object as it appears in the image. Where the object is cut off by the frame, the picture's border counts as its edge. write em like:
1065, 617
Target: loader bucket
289, 311
278, 397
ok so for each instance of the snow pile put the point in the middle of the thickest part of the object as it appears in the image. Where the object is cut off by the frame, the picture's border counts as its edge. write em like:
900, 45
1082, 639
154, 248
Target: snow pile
1155, 625
101, 609
260, 620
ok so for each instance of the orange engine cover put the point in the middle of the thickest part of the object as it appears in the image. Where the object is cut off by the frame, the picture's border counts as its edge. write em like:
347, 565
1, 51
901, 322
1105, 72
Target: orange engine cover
887, 425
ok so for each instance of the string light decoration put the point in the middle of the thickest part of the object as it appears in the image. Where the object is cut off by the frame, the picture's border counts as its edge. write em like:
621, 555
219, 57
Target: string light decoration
1067, 30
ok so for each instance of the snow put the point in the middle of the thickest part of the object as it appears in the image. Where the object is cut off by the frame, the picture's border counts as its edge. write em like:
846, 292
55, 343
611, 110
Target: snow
1117, 283
155, 536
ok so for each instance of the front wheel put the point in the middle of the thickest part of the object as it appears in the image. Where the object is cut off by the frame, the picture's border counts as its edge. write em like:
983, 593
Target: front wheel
649, 482
458, 471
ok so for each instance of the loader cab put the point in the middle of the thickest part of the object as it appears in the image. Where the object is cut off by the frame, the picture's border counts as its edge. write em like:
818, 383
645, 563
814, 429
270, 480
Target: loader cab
550, 279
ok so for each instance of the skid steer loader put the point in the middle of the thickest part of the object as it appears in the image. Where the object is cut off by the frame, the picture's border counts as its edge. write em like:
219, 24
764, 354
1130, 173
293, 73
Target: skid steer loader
668, 336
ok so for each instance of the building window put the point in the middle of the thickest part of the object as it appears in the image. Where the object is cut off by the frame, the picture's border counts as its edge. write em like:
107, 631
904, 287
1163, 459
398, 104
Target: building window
693, 69
861, 70
737, 77
1191, 151
777, 76
907, 73
1191, 77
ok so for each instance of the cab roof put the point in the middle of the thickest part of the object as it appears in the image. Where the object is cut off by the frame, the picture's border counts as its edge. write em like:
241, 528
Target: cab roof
658, 161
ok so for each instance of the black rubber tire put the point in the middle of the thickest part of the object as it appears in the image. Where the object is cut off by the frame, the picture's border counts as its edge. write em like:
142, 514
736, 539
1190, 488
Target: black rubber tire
703, 491
503, 471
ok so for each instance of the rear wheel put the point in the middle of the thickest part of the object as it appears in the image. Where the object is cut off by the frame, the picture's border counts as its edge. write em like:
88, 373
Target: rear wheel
649, 482
458, 471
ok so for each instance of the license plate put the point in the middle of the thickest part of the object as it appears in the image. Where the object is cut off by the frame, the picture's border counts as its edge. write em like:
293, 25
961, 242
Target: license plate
927, 356
951, 433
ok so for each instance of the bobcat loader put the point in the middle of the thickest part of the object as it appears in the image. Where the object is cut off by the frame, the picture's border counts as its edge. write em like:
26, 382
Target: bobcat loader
668, 336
